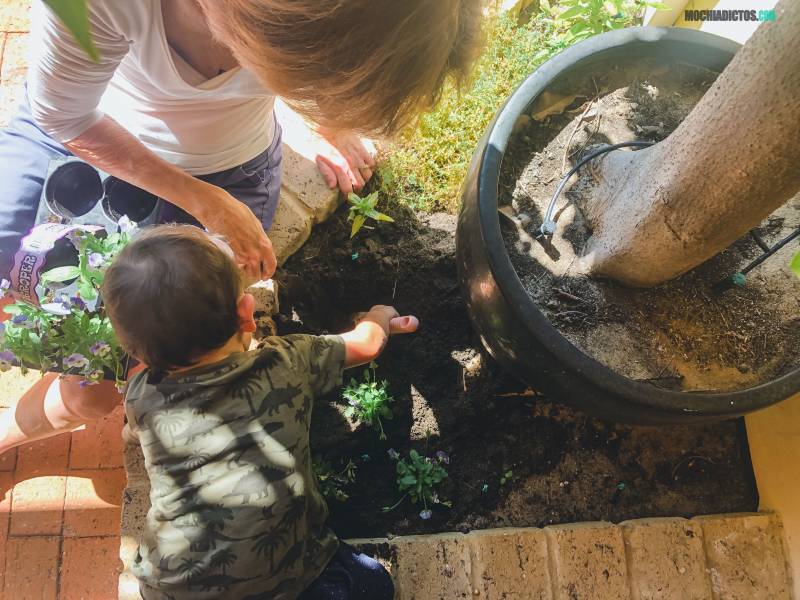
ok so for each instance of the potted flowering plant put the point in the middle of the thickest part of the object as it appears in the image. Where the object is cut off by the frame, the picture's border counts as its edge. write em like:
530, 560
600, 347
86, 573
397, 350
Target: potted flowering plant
69, 331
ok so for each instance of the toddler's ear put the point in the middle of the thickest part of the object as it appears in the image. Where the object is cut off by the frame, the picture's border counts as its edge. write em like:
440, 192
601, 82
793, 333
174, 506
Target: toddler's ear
245, 308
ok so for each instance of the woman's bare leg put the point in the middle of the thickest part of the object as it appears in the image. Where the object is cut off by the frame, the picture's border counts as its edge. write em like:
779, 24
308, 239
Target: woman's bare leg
55, 405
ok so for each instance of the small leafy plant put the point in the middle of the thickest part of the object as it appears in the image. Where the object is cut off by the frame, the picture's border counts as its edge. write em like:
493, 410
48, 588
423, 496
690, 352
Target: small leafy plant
362, 209
69, 334
332, 483
585, 18
368, 400
418, 478
795, 264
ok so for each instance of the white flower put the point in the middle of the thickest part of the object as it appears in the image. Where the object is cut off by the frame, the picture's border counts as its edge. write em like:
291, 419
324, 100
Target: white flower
126, 225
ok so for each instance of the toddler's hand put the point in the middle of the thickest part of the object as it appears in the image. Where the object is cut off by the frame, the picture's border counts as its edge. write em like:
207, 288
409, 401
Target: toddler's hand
407, 324
391, 321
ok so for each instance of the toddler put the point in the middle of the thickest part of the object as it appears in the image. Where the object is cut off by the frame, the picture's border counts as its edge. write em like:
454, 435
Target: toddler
236, 512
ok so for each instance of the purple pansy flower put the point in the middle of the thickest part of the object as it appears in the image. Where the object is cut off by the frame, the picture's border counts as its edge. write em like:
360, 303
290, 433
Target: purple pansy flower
87, 382
425, 514
7, 360
443, 457
393, 454
100, 348
65, 302
78, 303
22, 321
96, 260
76, 360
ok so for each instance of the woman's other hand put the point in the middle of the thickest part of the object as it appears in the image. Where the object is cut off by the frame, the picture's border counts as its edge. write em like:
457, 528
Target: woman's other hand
346, 160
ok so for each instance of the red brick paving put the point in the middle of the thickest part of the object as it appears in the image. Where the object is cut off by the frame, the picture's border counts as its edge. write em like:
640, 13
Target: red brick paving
90, 568
32, 568
59, 522
99, 445
92, 504
59, 526
60, 498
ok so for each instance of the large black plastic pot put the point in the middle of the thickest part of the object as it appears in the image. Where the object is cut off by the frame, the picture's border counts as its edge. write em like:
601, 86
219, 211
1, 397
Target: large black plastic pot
510, 325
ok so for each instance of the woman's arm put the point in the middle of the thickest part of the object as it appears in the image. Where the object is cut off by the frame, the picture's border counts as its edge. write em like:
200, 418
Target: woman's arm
110, 147
65, 87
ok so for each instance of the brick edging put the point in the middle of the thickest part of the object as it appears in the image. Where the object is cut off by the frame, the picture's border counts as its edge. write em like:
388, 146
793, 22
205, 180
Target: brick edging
719, 556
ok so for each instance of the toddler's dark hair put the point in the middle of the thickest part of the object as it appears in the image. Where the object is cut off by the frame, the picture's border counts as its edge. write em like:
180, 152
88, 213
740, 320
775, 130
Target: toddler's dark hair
171, 296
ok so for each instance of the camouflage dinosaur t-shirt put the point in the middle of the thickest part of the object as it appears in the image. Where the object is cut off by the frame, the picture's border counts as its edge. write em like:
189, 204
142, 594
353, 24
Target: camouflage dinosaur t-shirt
236, 512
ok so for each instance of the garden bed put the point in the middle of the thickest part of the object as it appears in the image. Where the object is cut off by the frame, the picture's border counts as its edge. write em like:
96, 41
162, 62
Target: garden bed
450, 396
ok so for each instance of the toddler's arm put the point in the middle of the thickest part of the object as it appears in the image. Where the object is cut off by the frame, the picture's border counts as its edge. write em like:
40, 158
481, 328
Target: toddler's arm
365, 343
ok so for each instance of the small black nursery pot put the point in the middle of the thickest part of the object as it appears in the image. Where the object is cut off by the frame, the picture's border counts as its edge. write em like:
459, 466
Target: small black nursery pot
125, 200
73, 189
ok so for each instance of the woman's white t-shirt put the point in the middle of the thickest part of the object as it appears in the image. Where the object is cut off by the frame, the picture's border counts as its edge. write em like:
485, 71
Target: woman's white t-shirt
201, 125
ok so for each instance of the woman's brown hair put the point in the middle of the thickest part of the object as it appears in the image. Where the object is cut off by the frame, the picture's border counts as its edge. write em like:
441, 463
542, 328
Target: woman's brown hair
366, 65
171, 296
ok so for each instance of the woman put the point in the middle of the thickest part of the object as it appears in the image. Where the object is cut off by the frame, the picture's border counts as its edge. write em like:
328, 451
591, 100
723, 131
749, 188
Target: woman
180, 104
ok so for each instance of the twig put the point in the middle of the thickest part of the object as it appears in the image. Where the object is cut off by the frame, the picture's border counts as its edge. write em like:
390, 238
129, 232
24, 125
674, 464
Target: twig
570, 312
577, 126
588, 139
565, 294
690, 457
572, 135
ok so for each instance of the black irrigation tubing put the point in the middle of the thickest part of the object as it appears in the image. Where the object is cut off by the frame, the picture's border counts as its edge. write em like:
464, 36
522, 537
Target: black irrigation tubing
738, 277
548, 226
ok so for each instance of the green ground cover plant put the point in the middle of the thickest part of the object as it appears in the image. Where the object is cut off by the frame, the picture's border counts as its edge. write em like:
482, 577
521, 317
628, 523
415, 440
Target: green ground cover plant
418, 478
369, 400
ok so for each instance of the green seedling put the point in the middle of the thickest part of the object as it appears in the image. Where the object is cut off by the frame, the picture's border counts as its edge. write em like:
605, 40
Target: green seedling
368, 400
362, 209
332, 483
418, 478
507, 477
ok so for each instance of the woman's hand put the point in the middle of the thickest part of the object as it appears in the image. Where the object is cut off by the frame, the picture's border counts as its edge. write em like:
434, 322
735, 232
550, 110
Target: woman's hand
223, 214
110, 147
347, 162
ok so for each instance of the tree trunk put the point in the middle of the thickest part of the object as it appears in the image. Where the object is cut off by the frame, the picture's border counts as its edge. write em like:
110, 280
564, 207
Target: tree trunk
657, 213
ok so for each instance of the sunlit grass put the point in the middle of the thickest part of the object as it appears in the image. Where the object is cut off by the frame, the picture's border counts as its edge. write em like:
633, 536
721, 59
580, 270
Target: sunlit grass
425, 167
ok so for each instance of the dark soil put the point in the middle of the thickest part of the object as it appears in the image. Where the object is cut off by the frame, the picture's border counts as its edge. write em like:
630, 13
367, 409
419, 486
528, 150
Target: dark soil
682, 335
566, 467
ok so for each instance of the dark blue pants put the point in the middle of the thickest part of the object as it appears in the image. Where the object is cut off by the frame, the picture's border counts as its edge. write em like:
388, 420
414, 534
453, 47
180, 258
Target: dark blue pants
25, 152
351, 575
